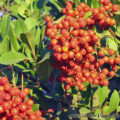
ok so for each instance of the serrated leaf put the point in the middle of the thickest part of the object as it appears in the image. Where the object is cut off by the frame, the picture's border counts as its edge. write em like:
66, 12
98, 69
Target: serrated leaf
4, 45
5, 25
12, 58
12, 38
20, 27
112, 44
30, 23
102, 94
114, 101
44, 69
38, 34
28, 39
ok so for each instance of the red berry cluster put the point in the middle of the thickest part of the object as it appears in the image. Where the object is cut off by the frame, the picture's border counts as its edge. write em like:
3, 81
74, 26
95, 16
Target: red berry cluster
14, 104
77, 50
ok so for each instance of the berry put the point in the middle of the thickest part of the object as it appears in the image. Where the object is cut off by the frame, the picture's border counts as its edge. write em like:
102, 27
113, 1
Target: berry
14, 102
77, 49
115, 8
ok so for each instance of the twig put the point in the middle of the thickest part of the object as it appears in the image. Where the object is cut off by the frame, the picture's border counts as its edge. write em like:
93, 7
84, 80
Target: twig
34, 80
5, 68
22, 80
13, 76
44, 14
25, 75
113, 34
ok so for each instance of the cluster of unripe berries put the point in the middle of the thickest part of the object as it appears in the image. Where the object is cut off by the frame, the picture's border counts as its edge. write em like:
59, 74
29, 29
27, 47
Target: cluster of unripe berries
14, 103
77, 49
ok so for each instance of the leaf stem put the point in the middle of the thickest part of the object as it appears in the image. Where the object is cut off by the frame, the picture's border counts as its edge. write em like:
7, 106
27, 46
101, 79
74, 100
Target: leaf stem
13, 76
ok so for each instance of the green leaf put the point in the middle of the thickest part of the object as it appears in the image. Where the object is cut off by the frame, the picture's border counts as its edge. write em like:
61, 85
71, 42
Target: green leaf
12, 37
88, 14
118, 109
102, 94
106, 109
30, 22
98, 111
94, 4
4, 45
46, 57
35, 107
20, 27
4, 25
112, 44
20, 66
18, 1
47, 9
28, 53
44, 69
84, 110
14, 9
42, 33
38, 34
21, 9
28, 39
59, 19
12, 58
114, 101
28, 2
56, 4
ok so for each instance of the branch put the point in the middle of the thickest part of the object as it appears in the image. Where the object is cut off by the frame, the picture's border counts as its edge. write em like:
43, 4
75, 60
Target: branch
113, 34
5, 68
34, 80
27, 76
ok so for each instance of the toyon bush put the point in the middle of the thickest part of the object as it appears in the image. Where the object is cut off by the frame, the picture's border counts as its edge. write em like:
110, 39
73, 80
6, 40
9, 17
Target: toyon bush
59, 59
77, 49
